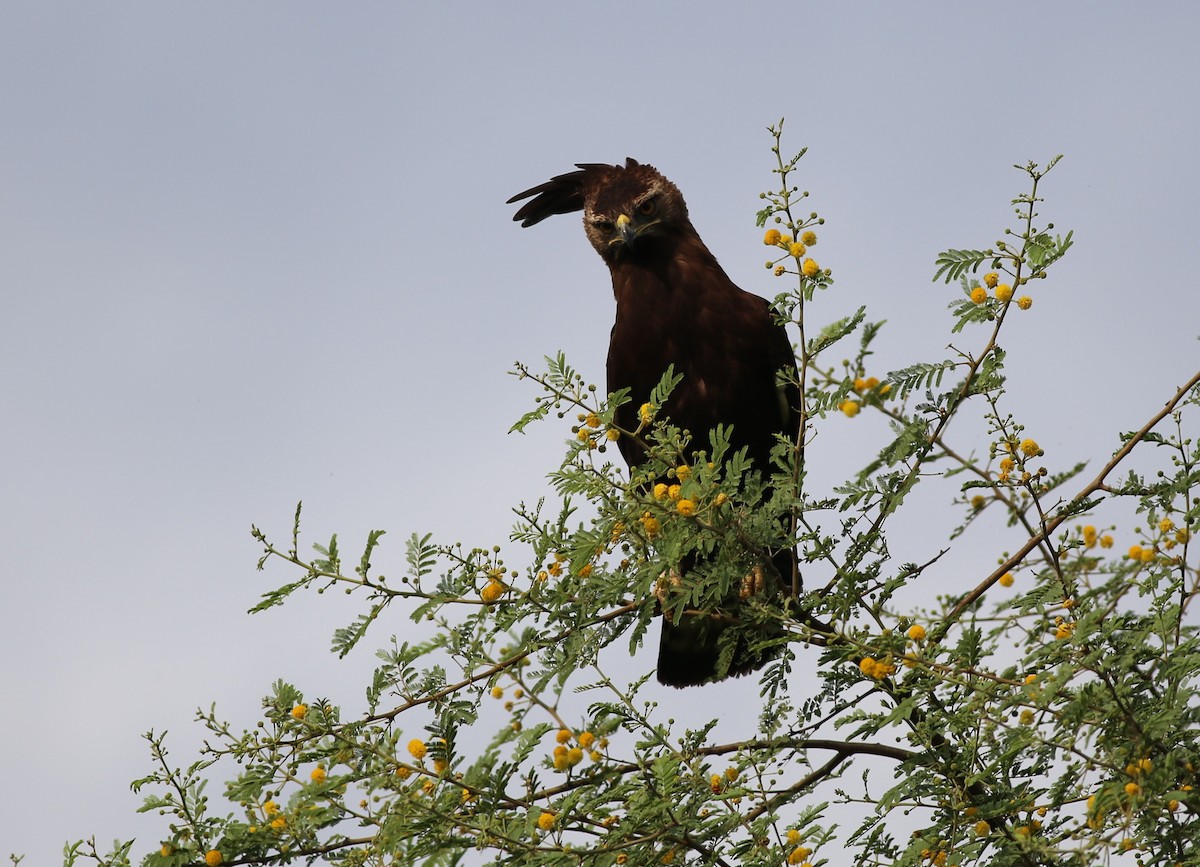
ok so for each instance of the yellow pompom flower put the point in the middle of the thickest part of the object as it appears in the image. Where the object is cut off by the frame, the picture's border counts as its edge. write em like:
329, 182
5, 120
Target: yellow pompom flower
1030, 448
574, 756
318, 775
982, 828
860, 384
1024, 302
686, 508
797, 856
278, 823
493, 591
772, 237
545, 821
1006, 580
683, 472
796, 249
1090, 536
497, 692
213, 858
416, 748
721, 499
979, 295
809, 237
586, 739
916, 632
270, 808
1003, 292
586, 570
1133, 789
592, 420
1135, 552
1166, 525
646, 412
990, 279
1147, 555
675, 492
850, 408
810, 269
1026, 717
563, 736
1106, 541
651, 525
166, 850
299, 711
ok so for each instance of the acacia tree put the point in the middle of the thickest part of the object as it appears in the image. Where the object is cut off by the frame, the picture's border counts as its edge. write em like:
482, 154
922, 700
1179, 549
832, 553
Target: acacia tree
1054, 725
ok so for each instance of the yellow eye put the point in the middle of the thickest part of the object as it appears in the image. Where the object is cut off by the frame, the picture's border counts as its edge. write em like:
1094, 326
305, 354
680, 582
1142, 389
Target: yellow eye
647, 207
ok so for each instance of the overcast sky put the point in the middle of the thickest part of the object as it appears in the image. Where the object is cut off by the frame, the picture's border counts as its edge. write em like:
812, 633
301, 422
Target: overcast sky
258, 253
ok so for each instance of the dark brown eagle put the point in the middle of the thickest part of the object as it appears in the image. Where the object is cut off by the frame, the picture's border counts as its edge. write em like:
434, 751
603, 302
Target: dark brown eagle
676, 305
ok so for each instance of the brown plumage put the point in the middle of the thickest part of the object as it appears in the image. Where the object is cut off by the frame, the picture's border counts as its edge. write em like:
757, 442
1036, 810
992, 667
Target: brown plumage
676, 305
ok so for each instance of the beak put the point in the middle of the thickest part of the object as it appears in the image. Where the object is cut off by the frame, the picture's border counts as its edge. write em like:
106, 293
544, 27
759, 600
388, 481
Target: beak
626, 230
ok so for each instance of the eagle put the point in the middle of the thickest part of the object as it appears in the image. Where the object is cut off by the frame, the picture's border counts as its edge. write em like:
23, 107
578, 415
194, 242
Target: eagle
677, 306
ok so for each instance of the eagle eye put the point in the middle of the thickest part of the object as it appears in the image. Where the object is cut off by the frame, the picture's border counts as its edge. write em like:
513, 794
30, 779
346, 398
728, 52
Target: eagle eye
603, 225
648, 207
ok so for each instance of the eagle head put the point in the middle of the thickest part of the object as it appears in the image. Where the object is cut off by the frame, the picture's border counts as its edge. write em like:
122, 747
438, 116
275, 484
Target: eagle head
629, 211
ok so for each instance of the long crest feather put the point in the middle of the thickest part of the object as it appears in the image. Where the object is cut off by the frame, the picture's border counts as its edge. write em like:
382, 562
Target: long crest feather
563, 194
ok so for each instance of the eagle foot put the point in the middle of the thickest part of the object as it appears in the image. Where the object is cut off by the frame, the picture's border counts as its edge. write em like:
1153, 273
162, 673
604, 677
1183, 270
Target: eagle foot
668, 579
754, 584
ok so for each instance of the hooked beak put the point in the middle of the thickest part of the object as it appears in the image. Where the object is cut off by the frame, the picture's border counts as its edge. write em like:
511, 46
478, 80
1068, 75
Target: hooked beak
626, 230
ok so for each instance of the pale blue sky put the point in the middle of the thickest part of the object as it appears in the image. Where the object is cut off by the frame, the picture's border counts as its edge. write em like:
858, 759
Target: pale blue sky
253, 253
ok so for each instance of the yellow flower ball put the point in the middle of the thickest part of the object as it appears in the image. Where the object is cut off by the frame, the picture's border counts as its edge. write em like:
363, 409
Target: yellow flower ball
990, 279
278, 823
1135, 552
497, 692
1024, 302
270, 808
675, 492
651, 525
1030, 448
646, 412
546, 821
683, 472
299, 711
1003, 292
1006, 580
660, 491
1133, 789
794, 837
166, 850
1106, 541
809, 237
982, 828
796, 249
563, 736
772, 237
493, 591
916, 632
809, 268
318, 775
850, 408
416, 748
979, 295
685, 508
1026, 717
721, 499
586, 739
213, 858
574, 756
1147, 555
